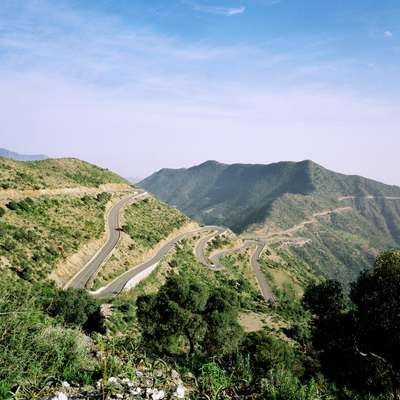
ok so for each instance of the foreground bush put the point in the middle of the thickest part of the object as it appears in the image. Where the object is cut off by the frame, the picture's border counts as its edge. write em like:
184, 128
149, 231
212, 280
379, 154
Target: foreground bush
185, 314
32, 346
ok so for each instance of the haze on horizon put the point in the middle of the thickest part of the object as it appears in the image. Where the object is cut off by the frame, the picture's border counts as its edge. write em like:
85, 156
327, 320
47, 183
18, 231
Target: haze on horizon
138, 86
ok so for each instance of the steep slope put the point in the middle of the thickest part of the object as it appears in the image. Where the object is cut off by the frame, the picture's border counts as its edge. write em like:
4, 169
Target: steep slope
21, 157
336, 223
231, 195
51, 210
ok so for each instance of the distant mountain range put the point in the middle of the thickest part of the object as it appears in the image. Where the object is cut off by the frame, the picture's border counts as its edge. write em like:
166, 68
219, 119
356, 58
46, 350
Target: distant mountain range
334, 222
21, 157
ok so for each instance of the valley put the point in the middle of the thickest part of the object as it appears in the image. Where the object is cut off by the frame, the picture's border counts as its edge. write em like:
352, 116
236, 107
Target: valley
335, 223
80, 240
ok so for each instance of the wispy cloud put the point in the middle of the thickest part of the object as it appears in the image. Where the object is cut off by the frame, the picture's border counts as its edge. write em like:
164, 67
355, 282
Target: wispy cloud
388, 34
216, 10
75, 77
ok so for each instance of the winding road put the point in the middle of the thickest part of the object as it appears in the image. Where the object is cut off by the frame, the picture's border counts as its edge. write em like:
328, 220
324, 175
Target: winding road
200, 248
85, 276
137, 273
265, 288
118, 284
130, 278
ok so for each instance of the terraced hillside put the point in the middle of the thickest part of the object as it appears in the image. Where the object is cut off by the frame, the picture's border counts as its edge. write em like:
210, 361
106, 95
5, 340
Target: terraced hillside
335, 223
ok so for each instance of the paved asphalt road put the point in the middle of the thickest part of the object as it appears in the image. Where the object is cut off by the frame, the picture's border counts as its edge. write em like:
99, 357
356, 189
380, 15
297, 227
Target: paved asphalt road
262, 282
200, 249
83, 277
118, 284
216, 258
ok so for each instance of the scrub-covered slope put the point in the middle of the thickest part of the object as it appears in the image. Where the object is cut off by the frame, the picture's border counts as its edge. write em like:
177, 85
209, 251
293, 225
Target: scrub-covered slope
335, 222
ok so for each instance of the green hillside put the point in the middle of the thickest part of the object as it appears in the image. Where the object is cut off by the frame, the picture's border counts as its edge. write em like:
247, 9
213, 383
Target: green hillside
352, 218
53, 174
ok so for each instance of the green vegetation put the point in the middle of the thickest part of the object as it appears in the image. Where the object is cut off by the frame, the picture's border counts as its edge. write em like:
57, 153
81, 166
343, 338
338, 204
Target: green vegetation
284, 271
34, 347
186, 309
336, 347
36, 234
149, 221
276, 197
52, 174
360, 331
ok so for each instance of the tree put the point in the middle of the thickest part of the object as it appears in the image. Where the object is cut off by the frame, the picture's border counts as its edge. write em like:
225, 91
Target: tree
376, 296
358, 344
325, 299
223, 331
185, 310
268, 352
74, 307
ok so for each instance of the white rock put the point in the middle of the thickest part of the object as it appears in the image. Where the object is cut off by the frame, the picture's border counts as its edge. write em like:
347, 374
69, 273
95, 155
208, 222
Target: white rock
136, 391
112, 380
158, 394
119, 396
180, 392
139, 374
149, 391
99, 384
125, 381
65, 385
59, 396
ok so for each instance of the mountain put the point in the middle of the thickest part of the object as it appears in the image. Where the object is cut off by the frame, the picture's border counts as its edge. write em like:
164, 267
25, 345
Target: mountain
21, 157
334, 222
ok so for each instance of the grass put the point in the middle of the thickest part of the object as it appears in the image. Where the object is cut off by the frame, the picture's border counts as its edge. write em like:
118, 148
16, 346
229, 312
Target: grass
52, 174
36, 234
149, 221
34, 349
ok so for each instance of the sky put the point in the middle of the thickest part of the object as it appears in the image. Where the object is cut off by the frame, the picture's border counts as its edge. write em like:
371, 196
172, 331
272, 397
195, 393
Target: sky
139, 85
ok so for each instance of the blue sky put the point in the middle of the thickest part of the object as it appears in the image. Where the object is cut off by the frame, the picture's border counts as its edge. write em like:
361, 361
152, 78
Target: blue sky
139, 85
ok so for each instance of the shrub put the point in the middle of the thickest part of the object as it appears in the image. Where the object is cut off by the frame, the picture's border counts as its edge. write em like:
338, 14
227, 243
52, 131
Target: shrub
267, 352
33, 347
282, 385
186, 313
2, 211
213, 380
75, 307
12, 205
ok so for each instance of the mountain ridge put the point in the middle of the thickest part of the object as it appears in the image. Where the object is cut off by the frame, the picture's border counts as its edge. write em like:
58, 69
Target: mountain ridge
264, 199
21, 157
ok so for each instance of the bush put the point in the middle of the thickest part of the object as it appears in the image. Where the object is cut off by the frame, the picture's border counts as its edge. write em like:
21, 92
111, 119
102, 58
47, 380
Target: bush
213, 380
12, 205
187, 315
75, 308
267, 352
282, 385
33, 347
2, 211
